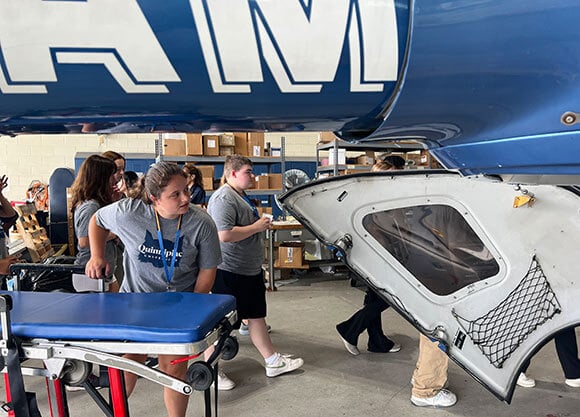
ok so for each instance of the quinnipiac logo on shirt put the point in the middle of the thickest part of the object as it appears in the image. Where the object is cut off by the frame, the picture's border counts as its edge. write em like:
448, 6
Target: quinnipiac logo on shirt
149, 251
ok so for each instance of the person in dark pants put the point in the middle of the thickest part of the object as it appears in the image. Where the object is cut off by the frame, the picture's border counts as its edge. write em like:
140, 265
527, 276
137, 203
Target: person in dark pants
369, 317
567, 349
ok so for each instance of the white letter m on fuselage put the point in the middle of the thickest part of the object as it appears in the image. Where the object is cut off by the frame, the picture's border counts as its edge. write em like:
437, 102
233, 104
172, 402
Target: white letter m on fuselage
301, 44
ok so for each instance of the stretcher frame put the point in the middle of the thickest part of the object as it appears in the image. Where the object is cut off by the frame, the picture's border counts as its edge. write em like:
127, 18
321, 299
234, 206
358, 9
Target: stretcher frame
57, 354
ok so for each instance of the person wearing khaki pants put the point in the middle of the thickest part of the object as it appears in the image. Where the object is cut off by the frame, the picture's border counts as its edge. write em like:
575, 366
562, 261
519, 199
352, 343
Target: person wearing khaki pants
430, 377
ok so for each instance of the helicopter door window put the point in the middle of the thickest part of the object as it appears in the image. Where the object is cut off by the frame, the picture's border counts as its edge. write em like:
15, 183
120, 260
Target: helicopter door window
435, 243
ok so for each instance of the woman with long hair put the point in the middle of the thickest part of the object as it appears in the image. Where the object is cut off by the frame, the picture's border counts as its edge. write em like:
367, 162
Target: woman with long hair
91, 190
195, 184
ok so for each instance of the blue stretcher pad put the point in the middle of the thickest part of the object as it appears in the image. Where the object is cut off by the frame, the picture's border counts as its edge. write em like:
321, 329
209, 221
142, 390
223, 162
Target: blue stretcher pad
170, 317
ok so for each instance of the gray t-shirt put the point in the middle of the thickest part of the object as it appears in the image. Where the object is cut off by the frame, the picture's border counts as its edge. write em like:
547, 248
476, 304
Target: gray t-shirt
82, 217
133, 221
229, 209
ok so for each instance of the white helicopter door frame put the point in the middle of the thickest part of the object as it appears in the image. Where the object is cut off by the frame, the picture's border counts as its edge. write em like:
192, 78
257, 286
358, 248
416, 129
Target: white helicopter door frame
491, 282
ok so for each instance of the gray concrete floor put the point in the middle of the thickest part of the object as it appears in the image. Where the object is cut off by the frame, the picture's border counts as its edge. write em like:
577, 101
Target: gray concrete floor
334, 383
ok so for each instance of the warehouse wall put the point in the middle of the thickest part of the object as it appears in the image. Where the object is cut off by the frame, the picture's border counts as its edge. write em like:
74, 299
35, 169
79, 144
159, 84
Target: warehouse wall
35, 157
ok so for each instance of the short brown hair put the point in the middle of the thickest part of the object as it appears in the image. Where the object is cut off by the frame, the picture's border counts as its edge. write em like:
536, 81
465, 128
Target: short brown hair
234, 163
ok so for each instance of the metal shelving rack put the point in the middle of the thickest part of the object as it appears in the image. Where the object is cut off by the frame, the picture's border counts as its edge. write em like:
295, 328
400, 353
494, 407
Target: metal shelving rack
381, 146
221, 159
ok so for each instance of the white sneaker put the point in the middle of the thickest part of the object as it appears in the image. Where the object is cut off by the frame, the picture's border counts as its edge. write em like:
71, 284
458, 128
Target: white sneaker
525, 381
283, 364
444, 398
575, 383
244, 331
224, 382
352, 349
396, 347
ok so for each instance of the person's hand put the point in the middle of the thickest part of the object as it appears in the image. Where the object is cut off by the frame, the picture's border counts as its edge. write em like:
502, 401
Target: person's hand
6, 262
117, 191
97, 268
263, 223
3, 183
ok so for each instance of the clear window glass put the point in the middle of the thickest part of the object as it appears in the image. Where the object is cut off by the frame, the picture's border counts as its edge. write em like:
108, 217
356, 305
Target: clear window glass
435, 243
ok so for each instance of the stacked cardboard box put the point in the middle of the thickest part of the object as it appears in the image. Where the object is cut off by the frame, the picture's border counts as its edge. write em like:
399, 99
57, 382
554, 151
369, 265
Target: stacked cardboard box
195, 144
367, 159
327, 137
255, 144
268, 182
290, 255
211, 145
227, 144
173, 147
241, 143
181, 144
207, 173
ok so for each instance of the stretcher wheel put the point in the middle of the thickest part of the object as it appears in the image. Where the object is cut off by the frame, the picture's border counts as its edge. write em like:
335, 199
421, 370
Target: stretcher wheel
199, 376
75, 372
230, 348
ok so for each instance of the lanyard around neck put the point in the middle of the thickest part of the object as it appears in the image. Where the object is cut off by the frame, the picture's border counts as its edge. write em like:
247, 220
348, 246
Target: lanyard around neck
247, 200
168, 271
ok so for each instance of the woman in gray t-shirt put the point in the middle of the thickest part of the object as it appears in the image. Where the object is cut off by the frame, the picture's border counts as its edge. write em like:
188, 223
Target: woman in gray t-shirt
170, 245
91, 190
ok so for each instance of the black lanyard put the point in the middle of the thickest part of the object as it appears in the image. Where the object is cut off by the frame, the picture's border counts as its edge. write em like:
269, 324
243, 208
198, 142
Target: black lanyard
168, 271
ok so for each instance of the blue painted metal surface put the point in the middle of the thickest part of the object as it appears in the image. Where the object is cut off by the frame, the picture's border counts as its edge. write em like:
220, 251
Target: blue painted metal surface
488, 82
485, 84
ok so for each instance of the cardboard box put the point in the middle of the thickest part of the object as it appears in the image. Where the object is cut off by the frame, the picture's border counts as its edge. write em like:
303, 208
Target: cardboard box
227, 150
207, 171
367, 159
173, 147
327, 137
290, 254
256, 144
241, 143
276, 152
275, 181
207, 183
227, 139
262, 182
194, 144
211, 145
264, 210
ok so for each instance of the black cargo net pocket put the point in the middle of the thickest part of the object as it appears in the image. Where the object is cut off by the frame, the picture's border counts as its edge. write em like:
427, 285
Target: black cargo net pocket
499, 333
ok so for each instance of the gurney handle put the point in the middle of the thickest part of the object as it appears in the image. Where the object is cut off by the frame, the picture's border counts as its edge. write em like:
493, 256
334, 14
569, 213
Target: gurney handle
75, 269
114, 361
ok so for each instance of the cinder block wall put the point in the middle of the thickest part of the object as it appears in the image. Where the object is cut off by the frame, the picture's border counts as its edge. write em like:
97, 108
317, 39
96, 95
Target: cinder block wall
35, 157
